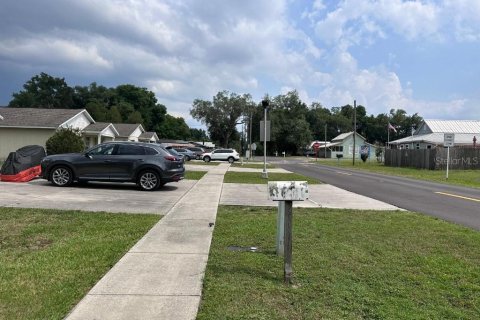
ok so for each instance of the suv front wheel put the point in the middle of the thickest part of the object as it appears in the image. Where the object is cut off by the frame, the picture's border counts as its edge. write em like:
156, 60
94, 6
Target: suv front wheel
61, 176
231, 159
148, 180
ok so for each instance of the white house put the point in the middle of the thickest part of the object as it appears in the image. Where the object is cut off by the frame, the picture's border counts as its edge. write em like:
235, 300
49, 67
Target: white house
129, 131
99, 132
150, 137
26, 126
430, 134
343, 145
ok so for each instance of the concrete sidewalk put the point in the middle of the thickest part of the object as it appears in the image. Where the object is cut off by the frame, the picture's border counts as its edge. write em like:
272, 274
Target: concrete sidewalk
161, 276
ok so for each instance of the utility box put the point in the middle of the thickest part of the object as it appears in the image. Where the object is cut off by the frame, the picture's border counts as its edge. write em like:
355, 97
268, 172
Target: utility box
288, 190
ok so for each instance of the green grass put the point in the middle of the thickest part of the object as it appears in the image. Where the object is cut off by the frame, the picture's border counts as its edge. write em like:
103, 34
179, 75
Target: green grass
49, 259
346, 265
256, 177
469, 178
252, 165
194, 175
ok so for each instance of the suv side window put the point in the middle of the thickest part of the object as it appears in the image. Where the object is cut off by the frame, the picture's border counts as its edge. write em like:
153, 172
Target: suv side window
126, 149
105, 149
221, 151
150, 151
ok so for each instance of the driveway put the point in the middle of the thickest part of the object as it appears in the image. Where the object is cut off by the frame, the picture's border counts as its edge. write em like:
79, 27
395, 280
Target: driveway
122, 197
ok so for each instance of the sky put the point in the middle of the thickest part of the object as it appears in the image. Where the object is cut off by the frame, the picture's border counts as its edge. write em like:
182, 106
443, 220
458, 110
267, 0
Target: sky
420, 56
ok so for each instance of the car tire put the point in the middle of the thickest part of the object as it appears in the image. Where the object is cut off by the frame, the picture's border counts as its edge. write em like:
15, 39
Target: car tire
231, 159
61, 176
187, 158
148, 180
206, 159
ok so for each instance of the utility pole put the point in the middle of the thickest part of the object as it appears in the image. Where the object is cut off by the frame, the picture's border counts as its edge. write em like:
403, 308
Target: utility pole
325, 141
354, 127
250, 136
265, 107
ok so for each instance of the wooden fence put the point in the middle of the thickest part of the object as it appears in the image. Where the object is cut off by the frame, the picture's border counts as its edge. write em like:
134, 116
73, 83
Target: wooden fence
433, 159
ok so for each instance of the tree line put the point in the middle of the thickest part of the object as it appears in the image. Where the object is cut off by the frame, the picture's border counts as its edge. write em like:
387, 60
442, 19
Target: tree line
294, 124
123, 104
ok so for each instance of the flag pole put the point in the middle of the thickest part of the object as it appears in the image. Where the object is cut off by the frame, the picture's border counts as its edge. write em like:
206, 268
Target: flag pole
388, 136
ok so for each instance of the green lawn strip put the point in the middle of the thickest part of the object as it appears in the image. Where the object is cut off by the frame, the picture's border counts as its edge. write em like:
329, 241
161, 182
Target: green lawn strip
194, 175
347, 264
469, 178
256, 177
252, 165
202, 163
49, 259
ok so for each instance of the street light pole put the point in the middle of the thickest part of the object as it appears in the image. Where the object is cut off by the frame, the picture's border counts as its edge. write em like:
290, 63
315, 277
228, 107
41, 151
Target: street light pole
265, 108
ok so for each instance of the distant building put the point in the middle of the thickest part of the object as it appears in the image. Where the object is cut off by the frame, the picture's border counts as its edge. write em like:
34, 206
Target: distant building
430, 134
343, 145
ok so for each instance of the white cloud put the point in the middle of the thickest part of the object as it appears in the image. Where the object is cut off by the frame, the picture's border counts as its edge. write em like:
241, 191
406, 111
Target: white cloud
190, 49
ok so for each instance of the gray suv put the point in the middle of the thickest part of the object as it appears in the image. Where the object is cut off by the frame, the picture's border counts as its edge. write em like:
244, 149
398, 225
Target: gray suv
148, 165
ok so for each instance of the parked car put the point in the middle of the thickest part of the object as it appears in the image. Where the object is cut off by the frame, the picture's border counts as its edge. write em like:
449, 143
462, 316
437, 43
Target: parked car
198, 152
188, 155
148, 165
176, 154
230, 155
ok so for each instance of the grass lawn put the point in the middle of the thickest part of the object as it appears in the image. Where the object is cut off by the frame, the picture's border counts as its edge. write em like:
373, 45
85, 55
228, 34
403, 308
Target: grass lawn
469, 178
49, 259
346, 264
194, 175
256, 177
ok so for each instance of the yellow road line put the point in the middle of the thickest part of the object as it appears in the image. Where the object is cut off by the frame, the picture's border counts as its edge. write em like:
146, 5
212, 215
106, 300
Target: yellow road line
457, 196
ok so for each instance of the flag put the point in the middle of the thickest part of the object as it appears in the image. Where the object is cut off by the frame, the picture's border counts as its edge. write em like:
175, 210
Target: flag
390, 127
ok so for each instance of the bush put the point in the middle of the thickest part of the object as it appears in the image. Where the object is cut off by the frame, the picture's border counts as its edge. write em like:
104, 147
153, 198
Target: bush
65, 140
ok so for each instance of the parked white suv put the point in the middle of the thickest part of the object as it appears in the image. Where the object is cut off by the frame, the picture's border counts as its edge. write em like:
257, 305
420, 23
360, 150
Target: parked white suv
229, 155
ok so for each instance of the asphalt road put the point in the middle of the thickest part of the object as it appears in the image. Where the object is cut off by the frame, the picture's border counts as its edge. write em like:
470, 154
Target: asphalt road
452, 203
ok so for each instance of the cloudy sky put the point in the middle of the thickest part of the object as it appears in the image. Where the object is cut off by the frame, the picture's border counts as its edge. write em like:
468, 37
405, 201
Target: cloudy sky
421, 56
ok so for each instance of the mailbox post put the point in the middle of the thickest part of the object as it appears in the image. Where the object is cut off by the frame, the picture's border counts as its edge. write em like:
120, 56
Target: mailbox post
286, 192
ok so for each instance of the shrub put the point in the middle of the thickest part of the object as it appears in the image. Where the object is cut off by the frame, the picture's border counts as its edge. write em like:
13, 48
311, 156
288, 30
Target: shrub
65, 140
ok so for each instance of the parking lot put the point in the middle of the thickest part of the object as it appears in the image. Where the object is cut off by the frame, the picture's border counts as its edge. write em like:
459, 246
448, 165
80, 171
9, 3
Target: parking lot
120, 197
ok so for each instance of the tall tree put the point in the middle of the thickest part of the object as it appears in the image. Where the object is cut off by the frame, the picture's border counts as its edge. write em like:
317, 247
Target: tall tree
290, 131
173, 128
221, 115
44, 91
198, 135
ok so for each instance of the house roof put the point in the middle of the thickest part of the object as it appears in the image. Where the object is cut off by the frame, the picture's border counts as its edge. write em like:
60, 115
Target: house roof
149, 135
343, 136
98, 127
38, 118
432, 131
453, 126
437, 138
126, 129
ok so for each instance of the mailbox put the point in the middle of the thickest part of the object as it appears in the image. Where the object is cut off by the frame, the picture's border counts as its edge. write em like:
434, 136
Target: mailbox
288, 190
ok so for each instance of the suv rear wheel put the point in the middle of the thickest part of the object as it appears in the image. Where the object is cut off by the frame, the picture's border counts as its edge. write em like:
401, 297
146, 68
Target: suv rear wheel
61, 176
148, 180
206, 159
